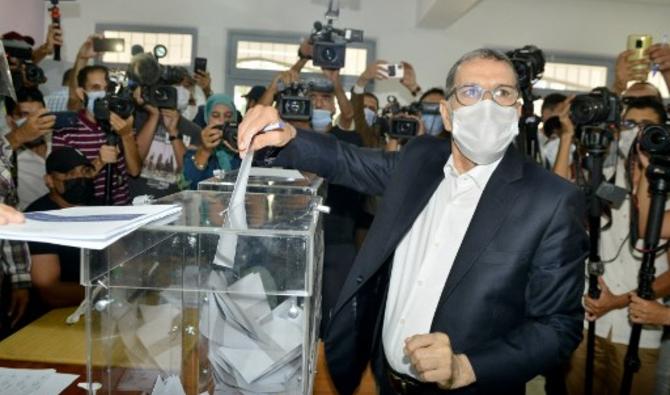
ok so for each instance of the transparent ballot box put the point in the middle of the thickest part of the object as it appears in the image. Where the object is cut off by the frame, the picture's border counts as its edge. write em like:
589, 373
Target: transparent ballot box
267, 180
217, 300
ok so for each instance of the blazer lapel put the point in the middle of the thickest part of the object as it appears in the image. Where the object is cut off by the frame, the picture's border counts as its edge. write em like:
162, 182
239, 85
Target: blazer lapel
492, 209
408, 193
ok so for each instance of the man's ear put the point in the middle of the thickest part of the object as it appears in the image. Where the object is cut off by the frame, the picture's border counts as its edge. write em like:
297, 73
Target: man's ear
49, 181
518, 109
445, 108
80, 93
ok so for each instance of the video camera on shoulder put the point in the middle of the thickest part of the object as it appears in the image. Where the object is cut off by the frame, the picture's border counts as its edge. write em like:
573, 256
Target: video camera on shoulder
155, 79
330, 44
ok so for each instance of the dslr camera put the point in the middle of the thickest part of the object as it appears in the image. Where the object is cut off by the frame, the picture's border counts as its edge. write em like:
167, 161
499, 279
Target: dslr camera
395, 121
229, 130
330, 44
24, 69
655, 140
600, 106
528, 63
119, 101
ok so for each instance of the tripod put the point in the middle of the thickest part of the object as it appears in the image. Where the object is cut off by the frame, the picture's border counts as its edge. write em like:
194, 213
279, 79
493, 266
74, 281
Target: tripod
527, 141
113, 140
658, 174
596, 142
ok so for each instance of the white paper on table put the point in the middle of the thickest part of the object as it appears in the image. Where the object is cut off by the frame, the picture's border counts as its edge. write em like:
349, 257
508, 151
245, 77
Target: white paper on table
33, 381
92, 227
273, 172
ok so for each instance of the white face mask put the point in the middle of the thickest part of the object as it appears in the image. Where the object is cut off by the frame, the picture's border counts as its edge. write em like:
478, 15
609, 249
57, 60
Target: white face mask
626, 139
321, 120
370, 116
190, 112
183, 96
91, 97
20, 122
551, 151
483, 131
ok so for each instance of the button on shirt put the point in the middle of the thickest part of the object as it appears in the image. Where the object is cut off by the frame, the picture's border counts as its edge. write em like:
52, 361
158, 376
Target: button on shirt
424, 259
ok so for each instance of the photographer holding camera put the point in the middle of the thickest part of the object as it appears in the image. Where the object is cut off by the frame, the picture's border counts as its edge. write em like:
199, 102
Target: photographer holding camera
629, 70
215, 151
621, 264
88, 135
163, 138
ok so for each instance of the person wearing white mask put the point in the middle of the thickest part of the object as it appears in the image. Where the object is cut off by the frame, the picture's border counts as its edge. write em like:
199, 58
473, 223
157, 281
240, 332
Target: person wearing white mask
471, 275
622, 265
88, 84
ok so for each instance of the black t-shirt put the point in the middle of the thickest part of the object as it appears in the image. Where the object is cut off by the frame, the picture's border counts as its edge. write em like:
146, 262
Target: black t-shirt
69, 257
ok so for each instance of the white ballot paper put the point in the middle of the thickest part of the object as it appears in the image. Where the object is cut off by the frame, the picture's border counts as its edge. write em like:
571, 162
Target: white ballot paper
169, 386
272, 172
251, 346
235, 216
93, 227
33, 382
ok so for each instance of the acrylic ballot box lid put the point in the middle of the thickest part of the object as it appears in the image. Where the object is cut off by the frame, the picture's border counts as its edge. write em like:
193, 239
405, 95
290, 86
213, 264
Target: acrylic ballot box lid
280, 233
264, 180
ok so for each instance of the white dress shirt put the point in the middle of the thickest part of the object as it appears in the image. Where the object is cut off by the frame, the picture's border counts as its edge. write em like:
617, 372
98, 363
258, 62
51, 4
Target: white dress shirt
424, 259
621, 275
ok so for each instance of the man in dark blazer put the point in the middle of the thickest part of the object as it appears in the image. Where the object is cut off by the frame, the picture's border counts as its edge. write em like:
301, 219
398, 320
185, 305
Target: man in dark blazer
471, 276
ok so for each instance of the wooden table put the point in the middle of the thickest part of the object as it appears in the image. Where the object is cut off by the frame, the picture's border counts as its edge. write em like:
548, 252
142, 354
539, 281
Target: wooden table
50, 343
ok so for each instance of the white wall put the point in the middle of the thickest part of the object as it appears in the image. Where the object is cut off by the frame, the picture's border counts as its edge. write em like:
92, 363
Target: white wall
581, 26
23, 16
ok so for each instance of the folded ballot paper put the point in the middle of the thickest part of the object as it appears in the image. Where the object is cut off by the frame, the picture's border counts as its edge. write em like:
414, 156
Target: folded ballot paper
252, 347
93, 227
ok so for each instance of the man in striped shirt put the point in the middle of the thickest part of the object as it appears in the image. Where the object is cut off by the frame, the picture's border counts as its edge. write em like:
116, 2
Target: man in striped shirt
88, 136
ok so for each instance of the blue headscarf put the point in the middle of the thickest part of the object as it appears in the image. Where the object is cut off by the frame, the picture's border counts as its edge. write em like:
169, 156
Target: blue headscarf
217, 99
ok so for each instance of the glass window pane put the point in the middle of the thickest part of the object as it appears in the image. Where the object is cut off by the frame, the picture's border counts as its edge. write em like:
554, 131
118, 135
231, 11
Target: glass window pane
574, 77
179, 46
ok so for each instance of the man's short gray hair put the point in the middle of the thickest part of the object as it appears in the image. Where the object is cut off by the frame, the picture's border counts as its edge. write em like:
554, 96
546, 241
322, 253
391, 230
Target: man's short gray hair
481, 53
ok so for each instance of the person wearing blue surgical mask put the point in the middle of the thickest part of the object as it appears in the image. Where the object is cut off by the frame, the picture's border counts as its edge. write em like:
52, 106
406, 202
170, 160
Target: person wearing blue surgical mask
432, 123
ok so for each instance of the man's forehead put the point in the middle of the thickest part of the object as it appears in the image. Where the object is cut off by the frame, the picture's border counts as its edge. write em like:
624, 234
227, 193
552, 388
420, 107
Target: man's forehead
485, 71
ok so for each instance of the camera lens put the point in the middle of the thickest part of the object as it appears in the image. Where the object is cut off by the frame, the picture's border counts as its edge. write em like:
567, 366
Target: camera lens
586, 109
329, 54
656, 140
294, 107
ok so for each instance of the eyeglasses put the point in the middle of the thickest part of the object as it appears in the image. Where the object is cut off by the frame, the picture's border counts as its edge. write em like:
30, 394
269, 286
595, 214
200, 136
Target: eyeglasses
471, 94
630, 124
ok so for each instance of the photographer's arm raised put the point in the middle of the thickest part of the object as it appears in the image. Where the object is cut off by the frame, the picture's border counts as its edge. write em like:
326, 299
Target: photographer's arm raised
346, 109
85, 53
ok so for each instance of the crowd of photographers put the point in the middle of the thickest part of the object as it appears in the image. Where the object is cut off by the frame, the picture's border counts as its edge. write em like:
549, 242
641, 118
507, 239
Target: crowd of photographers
95, 142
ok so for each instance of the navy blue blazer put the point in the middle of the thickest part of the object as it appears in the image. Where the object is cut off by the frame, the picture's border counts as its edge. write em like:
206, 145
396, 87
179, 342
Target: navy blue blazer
512, 301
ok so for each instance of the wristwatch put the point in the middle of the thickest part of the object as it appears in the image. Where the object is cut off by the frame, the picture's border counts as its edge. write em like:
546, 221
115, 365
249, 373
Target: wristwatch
173, 138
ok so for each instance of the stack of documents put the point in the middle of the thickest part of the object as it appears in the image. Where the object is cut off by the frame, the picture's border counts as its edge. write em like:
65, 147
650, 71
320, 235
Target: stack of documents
93, 227
252, 347
33, 382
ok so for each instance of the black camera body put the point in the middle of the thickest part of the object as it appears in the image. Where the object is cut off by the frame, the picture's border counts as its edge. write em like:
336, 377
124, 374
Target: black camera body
172, 75
34, 74
229, 130
600, 106
655, 140
529, 64
120, 103
330, 44
294, 101
160, 96
395, 123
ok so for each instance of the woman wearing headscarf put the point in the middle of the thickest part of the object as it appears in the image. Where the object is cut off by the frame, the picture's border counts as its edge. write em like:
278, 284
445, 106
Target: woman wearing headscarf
214, 153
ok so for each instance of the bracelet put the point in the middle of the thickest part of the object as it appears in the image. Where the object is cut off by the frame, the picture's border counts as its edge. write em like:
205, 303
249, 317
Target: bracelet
197, 166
